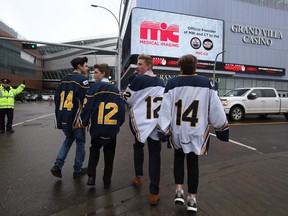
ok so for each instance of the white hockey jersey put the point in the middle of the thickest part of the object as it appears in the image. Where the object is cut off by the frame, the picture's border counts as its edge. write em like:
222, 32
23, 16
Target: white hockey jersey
189, 104
144, 95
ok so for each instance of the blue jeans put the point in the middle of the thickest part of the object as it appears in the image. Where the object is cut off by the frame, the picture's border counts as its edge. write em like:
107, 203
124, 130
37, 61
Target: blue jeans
78, 135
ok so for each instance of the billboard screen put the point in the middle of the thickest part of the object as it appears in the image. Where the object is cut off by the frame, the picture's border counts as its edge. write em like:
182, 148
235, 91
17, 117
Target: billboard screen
168, 34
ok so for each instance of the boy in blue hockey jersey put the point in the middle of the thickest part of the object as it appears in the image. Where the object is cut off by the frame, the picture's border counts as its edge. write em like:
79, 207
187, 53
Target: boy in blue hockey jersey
68, 99
189, 104
104, 112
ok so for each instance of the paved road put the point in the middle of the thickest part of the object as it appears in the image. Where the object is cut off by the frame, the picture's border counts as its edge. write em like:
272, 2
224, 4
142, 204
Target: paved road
247, 176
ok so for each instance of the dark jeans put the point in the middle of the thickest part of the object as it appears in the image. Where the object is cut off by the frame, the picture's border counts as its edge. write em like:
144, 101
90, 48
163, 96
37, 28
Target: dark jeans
192, 169
9, 112
154, 148
109, 147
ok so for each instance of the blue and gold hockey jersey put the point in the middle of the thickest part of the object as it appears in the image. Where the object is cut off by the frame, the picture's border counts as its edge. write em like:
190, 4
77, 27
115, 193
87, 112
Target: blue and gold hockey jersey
144, 95
103, 110
189, 105
68, 99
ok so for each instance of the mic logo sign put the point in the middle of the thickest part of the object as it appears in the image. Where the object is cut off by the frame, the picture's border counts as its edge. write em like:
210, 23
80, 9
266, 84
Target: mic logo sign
159, 34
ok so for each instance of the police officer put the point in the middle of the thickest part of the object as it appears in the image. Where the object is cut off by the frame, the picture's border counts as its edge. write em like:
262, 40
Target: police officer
7, 94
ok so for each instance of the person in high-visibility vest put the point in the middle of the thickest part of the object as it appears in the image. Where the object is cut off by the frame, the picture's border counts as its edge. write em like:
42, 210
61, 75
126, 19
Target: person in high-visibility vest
7, 94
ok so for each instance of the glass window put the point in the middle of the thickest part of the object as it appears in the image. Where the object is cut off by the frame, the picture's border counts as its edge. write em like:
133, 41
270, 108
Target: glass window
268, 93
239, 83
278, 86
258, 83
255, 1
272, 84
285, 4
230, 84
257, 92
264, 2
285, 86
265, 83
271, 3
247, 83
280, 4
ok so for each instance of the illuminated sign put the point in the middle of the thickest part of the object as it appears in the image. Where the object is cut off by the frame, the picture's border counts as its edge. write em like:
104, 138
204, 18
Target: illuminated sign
220, 66
160, 33
251, 69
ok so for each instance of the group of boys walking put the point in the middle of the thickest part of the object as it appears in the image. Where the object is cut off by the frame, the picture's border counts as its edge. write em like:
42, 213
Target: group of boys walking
179, 114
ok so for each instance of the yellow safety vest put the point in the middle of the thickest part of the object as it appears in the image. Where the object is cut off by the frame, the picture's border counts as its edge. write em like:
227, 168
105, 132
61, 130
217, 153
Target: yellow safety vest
7, 97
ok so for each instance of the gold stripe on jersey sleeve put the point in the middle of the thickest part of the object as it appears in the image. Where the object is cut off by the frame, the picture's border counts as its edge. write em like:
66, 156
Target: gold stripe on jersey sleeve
133, 123
205, 140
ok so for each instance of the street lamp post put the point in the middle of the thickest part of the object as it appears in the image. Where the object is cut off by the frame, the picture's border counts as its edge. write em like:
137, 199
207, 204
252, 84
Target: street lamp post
119, 46
215, 66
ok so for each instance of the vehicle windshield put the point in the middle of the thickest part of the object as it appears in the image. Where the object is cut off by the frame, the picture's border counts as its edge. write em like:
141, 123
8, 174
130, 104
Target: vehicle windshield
236, 92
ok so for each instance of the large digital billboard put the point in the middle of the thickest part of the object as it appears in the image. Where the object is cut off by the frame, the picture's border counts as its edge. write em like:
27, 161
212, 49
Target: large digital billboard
168, 34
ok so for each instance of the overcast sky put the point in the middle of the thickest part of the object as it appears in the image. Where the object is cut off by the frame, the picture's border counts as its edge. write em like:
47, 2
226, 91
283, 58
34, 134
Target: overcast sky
60, 20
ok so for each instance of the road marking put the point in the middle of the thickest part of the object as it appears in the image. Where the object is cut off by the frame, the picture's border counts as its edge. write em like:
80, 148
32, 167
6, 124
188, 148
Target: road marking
29, 120
256, 123
240, 144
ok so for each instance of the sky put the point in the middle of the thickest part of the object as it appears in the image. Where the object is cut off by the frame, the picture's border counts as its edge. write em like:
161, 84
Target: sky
57, 21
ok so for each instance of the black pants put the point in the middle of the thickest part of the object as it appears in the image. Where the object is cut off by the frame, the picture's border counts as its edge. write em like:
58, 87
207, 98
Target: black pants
109, 153
3, 112
192, 169
154, 148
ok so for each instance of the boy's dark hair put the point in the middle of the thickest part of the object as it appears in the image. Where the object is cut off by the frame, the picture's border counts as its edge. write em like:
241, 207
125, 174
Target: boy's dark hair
188, 64
76, 61
103, 68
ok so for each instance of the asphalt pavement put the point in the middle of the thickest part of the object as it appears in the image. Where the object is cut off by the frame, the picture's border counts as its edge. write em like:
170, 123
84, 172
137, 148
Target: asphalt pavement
234, 179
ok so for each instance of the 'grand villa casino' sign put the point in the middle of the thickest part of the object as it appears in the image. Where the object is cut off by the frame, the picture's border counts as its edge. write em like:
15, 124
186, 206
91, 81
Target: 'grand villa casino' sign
257, 36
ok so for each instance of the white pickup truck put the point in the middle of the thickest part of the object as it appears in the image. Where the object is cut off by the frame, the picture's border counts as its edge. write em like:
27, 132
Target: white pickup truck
259, 100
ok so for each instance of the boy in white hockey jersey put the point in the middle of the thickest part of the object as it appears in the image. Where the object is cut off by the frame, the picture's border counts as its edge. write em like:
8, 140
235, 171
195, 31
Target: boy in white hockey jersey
144, 95
189, 104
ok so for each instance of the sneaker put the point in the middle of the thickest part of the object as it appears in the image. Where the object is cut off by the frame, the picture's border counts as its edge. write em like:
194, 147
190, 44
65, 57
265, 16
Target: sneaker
137, 181
179, 197
154, 199
191, 205
80, 173
56, 171
2, 131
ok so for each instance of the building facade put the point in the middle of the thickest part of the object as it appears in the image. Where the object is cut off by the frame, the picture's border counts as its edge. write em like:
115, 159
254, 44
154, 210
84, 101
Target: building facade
247, 39
44, 67
56, 59
18, 64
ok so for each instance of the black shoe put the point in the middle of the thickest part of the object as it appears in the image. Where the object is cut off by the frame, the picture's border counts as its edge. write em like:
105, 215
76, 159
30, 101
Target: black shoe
2, 131
91, 180
107, 183
56, 171
10, 131
82, 172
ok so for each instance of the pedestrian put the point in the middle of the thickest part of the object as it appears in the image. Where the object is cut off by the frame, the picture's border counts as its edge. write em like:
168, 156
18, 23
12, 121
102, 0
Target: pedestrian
144, 96
104, 112
7, 101
50, 100
68, 99
189, 104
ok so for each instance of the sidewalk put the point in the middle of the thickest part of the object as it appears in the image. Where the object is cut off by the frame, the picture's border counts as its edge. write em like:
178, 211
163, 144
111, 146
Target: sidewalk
254, 185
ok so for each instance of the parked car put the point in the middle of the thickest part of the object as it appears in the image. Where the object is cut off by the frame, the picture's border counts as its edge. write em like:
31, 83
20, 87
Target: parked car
259, 100
47, 97
20, 97
33, 97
